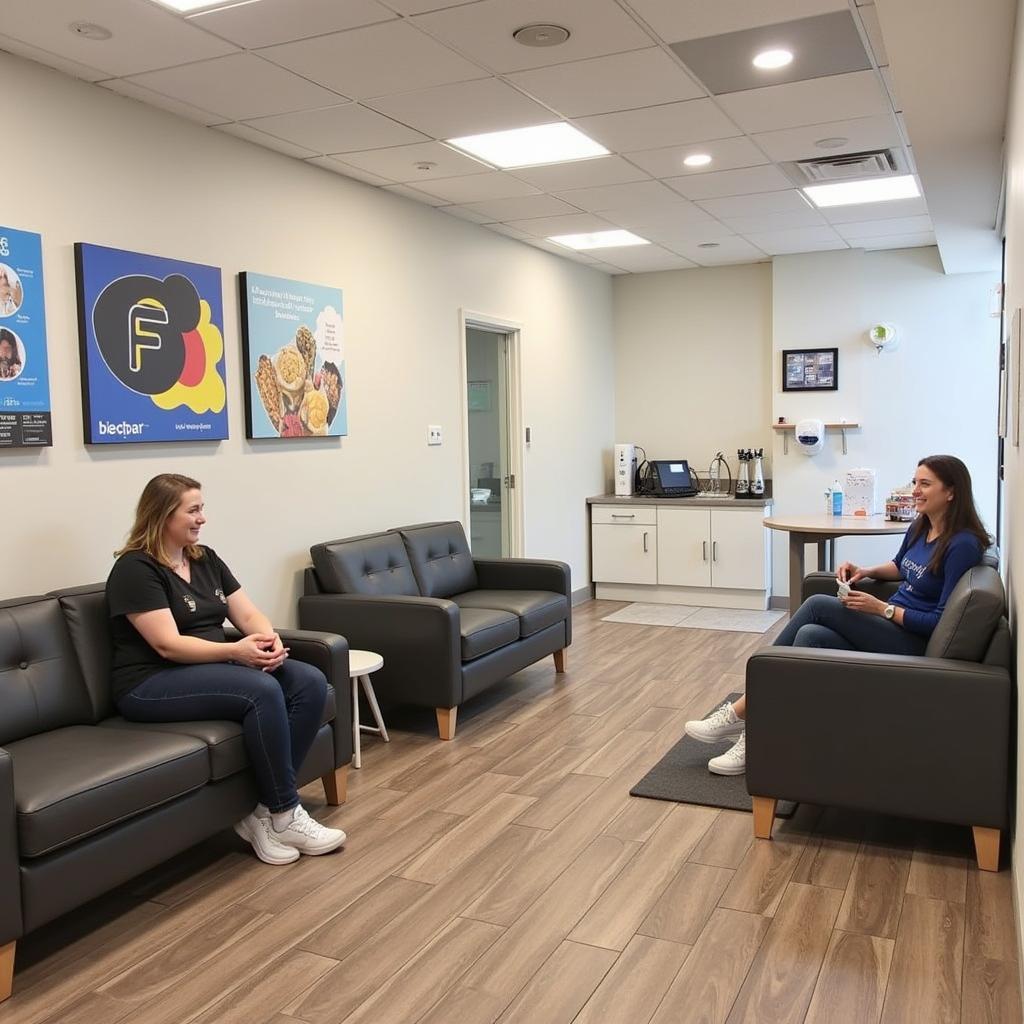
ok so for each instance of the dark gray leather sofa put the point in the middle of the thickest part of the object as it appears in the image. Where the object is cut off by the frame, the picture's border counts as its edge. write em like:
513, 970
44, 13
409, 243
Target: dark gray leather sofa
448, 625
88, 800
918, 737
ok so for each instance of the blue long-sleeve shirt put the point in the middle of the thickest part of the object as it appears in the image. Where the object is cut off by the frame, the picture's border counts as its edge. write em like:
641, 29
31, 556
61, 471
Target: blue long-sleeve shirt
922, 595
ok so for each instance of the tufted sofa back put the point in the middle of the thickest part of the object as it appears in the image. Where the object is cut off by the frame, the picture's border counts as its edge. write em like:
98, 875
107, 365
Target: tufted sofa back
41, 685
440, 558
376, 564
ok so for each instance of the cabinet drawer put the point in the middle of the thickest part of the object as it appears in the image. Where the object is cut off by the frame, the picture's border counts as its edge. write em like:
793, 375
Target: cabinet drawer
638, 515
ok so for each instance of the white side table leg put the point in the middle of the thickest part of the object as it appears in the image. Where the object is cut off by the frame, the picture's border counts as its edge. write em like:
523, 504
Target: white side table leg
357, 761
371, 699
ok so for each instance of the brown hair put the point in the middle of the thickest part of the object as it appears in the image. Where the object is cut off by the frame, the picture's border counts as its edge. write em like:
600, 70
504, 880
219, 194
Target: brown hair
160, 497
962, 514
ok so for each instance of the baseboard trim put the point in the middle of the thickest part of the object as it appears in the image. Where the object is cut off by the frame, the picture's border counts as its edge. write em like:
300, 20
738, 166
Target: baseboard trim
779, 602
582, 595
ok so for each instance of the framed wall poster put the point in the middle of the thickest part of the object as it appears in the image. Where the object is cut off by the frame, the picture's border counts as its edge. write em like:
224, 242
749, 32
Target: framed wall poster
810, 369
294, 355
24, 373
152, 348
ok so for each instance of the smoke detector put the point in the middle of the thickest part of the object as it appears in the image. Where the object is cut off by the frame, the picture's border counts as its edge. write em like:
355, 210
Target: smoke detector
541, 35
89, 30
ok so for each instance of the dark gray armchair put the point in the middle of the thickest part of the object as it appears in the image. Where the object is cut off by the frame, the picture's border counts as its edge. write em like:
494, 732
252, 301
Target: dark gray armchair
447, 625
918, 737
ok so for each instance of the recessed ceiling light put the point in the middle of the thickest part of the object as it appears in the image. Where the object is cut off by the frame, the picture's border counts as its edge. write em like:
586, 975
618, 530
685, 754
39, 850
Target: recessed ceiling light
870, 190
599, 240
89, 30
527, 147
541, 35
769, 60
834, 142
697, 160
708, 245
424, 165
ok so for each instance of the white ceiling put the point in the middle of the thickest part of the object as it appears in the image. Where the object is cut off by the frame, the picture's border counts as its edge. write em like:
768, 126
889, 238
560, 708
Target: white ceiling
367, 88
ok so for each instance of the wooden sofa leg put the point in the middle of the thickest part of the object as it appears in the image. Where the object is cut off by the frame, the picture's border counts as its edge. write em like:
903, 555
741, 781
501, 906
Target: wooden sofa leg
764, 816
446, 722
986, 846
560, 661
336, 785
6, 970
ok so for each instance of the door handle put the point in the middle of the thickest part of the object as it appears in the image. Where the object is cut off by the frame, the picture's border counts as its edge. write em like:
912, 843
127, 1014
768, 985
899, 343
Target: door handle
645, 542
623, 515
704, 551
714, 551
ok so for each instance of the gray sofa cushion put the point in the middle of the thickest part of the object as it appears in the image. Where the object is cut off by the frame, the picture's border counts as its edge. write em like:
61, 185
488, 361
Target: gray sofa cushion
486, 629
376, 564
70, 783
536, 609
440, 558
970, 617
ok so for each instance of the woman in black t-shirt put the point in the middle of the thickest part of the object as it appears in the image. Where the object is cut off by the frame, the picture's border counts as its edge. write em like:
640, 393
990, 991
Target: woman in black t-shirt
168, 596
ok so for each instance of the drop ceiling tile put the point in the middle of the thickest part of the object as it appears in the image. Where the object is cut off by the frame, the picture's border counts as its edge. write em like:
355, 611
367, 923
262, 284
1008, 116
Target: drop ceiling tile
673, 233
241, 86
465, 213
670, 223
826, 44
135, 92
890, 87
511, 232
340, 129
726, 154
778, 243
70, 67
752, 206
373, 61
632, 195
674, 20
328, 163
521, 208
475, 188
243, 131
876, 211
840, 97
644, 259
727, 250
483, 31
862, 134
567, 224
893, 226
806, 218
602, 170
744, 181
145, 37
622, 81
464, 108
873, 28
281, 21
399, 162
421, 6
413, 193
607, 268
896, 241
671, 124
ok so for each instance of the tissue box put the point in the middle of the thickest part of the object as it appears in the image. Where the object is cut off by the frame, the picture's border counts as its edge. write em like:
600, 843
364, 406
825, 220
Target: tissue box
860, 497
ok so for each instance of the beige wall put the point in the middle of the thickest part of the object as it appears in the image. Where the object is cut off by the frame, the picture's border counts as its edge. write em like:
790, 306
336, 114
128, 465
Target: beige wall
95, 167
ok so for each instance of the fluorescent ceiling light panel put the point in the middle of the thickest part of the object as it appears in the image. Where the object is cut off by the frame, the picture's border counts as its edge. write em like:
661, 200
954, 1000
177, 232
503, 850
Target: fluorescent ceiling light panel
870, 190
194, 6
599, 240
529, 147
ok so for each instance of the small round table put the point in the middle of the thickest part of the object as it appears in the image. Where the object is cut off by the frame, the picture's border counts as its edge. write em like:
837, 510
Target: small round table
360, 665
823, 530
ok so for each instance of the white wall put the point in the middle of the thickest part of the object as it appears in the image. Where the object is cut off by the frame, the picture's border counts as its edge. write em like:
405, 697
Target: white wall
92, 166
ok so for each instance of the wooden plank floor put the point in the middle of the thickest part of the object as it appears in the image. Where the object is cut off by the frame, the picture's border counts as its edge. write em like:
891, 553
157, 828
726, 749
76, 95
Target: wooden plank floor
509, 877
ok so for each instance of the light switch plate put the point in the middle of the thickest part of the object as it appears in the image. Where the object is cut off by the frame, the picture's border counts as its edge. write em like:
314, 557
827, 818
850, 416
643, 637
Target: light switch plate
433, 435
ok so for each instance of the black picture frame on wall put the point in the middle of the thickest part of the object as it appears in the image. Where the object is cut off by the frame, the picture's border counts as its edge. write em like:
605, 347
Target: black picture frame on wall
810, 369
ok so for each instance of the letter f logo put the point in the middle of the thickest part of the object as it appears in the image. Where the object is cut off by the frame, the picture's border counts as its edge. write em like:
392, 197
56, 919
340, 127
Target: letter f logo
143, 313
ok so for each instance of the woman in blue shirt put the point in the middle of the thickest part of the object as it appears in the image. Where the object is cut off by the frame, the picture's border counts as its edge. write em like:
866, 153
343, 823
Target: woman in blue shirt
945, 540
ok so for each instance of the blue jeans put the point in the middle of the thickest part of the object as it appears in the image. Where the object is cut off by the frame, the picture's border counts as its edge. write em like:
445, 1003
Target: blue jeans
822, 621
280, 713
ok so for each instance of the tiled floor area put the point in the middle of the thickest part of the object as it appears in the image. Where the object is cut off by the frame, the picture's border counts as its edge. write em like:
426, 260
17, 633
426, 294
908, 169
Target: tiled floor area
735, 620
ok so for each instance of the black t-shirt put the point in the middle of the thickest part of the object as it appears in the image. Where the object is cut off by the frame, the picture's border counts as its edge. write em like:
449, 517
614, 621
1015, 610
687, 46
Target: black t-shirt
139, 583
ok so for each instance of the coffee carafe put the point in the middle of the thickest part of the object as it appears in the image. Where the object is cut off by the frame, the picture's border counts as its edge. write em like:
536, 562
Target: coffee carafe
743, 474
757, 483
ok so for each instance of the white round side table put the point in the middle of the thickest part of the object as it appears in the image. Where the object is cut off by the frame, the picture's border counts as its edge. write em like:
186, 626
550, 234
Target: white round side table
360, 665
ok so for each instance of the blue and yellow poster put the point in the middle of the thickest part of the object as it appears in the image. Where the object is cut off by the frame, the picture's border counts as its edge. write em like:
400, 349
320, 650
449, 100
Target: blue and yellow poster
152, 341
294, 353
24, 379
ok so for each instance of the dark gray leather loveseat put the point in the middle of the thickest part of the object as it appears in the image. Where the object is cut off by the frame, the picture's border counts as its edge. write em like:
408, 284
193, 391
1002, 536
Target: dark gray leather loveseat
917, 737
88, 800
448, 625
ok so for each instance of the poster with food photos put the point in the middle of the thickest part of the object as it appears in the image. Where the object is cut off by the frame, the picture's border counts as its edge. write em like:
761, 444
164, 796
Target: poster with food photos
294, 356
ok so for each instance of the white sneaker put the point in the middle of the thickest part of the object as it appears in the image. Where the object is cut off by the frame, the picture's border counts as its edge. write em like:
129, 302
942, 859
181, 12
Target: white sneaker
733, 761
307, 835
717, 726
260, 834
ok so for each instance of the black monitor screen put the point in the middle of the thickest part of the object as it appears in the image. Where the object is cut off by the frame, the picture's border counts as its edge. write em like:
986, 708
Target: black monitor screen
674, 473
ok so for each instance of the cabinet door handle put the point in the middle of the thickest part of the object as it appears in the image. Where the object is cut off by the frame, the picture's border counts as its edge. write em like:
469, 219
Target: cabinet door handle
645, 542
714, 551
704, 551
623, 515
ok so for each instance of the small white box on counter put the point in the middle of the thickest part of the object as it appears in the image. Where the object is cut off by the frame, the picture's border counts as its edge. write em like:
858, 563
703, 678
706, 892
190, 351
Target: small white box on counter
860, 496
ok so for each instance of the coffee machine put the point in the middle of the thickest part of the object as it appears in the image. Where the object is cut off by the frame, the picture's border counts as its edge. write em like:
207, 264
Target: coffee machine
625, 470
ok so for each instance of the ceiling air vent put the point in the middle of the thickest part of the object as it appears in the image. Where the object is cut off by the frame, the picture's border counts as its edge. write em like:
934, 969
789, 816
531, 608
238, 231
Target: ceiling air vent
876, 164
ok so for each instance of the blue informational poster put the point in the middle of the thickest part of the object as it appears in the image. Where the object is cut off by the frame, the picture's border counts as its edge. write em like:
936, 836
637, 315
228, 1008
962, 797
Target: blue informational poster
24, 380
151, 332
294, 354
